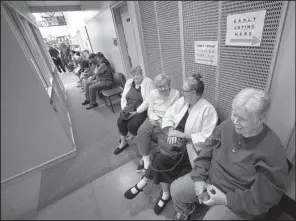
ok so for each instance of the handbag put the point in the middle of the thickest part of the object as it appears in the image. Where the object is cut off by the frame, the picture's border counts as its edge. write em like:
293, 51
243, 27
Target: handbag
171, 150
174, 151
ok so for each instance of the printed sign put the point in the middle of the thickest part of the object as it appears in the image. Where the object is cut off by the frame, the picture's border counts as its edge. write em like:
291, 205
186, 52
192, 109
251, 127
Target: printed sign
206, 52
245, 29
52, 19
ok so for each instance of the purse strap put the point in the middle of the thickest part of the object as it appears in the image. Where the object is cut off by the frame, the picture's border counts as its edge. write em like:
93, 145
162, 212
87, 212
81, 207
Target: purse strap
179, 161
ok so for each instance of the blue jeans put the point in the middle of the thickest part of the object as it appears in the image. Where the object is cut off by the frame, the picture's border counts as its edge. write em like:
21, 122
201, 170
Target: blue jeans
91, 87
147, 133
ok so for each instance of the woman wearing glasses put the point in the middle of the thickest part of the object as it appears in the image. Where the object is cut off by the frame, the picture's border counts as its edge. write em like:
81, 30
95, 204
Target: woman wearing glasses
191, 119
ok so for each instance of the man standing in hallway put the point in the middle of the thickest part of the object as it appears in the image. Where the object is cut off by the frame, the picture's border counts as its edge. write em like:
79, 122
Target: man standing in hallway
54, 53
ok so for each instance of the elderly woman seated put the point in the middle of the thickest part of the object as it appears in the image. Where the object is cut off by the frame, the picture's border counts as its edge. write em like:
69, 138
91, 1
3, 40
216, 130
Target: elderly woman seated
103, 80
241, 171
189, 121
136, 90
158, 101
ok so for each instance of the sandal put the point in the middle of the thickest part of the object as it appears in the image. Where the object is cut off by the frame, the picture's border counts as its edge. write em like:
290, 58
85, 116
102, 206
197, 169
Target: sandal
129, 195
158, 209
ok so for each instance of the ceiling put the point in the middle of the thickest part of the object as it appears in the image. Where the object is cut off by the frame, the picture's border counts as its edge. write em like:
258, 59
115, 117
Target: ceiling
52, 3
53, 6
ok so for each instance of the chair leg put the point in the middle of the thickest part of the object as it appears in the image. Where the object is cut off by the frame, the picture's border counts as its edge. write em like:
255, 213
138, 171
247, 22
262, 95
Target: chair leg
105, 101
111, 105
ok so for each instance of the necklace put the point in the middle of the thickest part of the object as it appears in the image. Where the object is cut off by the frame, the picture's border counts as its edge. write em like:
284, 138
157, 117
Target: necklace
243, 141
240, 145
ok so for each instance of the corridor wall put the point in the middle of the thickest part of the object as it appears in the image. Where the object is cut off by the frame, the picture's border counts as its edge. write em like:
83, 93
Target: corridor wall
170, 29
101, 31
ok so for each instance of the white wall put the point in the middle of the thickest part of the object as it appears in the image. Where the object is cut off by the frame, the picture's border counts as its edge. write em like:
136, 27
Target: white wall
30, 132
281, 116
101, 31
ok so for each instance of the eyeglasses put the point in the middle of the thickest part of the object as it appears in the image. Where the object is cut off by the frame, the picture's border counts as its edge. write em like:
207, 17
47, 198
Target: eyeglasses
183, 91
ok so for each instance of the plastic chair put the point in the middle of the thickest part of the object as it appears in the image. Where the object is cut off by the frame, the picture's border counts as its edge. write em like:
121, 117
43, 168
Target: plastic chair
119, 82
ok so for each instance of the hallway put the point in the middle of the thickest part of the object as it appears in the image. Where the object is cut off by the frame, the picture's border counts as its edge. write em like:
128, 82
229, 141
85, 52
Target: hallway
96, 136
91, 184
57, 159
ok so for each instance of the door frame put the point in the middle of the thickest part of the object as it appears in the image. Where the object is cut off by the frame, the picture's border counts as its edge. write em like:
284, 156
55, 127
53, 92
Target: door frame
115, 11
139, 43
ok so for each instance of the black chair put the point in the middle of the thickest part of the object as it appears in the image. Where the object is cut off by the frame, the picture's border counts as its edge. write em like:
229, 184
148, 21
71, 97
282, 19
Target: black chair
119, 82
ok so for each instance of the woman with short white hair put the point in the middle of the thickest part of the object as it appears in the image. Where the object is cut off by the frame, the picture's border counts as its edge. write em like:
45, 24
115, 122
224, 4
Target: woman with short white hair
241, 171
135, 92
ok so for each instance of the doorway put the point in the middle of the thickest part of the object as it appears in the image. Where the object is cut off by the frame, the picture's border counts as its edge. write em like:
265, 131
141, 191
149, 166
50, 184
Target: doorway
125, 34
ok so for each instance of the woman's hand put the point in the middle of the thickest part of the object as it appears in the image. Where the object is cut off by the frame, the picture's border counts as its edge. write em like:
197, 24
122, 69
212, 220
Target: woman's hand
132, 114
173, 133
172, 136
217, 197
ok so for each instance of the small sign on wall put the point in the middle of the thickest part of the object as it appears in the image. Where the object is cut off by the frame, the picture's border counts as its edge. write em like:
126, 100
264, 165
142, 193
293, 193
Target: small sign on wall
206, 52
115, 43
245, 29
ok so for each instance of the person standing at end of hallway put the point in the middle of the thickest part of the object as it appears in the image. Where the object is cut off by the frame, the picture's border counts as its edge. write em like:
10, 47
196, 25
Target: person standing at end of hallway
54, 53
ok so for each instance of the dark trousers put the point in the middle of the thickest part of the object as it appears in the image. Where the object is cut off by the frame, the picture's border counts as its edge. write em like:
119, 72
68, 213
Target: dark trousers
131, 125
58, 62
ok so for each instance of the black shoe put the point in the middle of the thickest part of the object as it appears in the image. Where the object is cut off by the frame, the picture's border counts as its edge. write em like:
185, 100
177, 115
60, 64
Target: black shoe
158, 209
91, 106
118, 150
140, 167
85, 102
129, 195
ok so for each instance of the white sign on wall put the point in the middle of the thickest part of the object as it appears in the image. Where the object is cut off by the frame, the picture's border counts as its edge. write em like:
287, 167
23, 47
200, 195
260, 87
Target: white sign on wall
206, 52
245, 29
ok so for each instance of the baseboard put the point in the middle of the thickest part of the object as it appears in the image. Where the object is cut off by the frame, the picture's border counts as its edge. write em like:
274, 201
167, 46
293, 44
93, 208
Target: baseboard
39, 168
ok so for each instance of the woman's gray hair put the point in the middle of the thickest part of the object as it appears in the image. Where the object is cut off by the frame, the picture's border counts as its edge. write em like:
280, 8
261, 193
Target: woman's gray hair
162, 77
254, 101
137, 69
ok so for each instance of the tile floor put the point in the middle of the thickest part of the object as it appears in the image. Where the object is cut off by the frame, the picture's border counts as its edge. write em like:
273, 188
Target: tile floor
103, 199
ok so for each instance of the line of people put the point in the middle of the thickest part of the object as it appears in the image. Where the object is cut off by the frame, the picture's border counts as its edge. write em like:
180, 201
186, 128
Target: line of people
94, 74
237, 168
62, 57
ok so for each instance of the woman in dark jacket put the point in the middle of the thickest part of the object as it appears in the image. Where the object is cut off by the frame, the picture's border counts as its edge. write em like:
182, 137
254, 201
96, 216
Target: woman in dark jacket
103, 79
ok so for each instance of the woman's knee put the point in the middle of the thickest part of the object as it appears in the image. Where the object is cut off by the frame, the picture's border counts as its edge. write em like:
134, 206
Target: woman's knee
182, 185
133, 126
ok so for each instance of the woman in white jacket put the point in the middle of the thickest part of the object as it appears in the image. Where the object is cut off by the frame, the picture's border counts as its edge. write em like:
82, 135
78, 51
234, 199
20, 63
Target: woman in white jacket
134, 93
192, 119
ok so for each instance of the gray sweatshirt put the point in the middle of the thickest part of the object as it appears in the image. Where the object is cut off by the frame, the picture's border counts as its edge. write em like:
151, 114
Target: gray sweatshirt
253, 177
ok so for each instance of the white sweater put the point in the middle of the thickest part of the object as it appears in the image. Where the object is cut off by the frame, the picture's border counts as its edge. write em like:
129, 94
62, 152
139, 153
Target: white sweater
146, 87
158, 104
200, 123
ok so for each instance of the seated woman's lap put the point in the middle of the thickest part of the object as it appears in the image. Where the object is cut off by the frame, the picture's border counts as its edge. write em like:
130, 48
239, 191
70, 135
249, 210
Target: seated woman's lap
131, 125
100, 85
162, 162
135, 122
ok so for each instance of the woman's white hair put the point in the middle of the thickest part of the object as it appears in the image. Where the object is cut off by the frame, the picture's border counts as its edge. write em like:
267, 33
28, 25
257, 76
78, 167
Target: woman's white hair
162, 77
254, 101
137, 69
